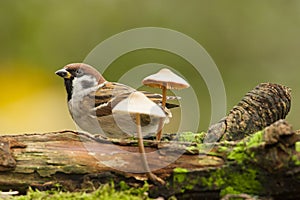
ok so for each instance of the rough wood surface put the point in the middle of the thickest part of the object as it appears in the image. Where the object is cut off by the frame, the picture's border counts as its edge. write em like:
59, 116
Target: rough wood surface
266, 164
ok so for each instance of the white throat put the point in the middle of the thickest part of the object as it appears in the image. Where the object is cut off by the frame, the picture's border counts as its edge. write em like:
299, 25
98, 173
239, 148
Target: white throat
80, 111
84, 85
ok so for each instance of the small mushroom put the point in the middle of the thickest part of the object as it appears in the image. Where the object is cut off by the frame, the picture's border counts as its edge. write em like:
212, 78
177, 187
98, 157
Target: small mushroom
137, 103
165, 79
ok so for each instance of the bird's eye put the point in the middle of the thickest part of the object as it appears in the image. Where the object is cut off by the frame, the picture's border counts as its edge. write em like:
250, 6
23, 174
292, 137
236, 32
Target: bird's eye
79, 72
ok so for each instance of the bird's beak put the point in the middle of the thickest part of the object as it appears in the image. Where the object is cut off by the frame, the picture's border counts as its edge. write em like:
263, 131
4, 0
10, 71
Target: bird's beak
63, 73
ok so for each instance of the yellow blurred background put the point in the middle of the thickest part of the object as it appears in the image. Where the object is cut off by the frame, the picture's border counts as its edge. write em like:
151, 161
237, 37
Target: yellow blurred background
250, 41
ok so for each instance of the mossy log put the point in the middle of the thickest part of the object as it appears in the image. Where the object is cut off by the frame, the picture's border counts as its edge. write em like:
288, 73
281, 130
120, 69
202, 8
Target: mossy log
265, 164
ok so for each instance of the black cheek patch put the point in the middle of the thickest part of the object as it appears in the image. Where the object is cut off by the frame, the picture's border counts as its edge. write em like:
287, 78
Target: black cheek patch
69, 87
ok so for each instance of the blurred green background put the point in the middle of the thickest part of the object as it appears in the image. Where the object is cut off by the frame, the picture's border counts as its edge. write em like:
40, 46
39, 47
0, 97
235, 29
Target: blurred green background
250, 41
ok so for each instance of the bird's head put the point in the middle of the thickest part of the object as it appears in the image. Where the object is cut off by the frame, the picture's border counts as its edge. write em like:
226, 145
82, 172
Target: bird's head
78, 70
79, 76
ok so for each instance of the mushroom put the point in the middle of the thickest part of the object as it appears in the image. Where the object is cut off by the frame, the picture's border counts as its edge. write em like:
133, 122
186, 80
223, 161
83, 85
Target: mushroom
165, 79
137, 103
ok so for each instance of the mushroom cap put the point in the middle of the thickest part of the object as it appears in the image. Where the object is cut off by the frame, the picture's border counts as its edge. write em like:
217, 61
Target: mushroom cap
165, 78
137, 102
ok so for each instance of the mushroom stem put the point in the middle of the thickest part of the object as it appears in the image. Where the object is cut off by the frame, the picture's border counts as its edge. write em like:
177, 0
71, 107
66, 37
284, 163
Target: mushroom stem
140, 142
161, 121
164, 97
150, 175
159, 133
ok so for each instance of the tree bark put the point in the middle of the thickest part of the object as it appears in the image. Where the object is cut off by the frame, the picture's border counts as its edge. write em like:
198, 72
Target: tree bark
265, 164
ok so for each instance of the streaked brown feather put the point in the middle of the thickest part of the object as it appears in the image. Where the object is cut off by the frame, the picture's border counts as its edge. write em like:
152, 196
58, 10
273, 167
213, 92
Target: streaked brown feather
110, 94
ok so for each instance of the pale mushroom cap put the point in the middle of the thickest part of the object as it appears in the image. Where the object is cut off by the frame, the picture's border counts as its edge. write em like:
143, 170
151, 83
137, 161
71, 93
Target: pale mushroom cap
137, 102
165, 78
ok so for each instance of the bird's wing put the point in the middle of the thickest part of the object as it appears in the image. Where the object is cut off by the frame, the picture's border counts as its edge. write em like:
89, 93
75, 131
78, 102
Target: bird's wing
157, 98
110, 94
107, 96
109, 91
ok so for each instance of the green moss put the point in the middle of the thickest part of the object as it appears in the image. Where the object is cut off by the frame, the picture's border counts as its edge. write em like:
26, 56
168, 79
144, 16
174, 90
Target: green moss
180, 170
240, 151
182, 182
179, 177
228, 190
123, 185
198, 148
255, 139
222, 149
106, 191
297, 146
192, 149
179, 180
191, 184
215, 180
233, 182
207, 181
192, 137
244, 181
296, 160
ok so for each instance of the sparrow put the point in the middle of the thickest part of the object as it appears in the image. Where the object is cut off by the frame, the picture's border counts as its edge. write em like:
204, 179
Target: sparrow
91, 99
